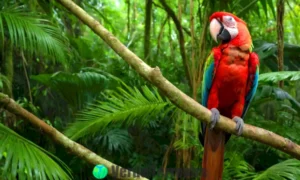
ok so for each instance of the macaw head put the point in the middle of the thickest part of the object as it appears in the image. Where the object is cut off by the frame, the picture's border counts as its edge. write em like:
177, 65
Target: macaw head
228, 28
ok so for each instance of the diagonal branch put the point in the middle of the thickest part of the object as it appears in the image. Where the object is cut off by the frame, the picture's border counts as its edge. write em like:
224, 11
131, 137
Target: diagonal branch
186, 30
73, 147
179, 28
26, 75
161, 35
178, 98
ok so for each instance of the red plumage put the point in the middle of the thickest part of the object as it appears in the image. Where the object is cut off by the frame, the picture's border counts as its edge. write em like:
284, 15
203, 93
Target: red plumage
233, 62
229, 86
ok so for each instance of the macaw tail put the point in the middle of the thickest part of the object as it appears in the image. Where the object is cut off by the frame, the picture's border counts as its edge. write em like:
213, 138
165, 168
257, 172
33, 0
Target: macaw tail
213, 158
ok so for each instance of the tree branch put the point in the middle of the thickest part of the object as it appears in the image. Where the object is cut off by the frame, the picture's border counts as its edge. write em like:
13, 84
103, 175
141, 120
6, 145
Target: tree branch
161, 35
73, 147
181, 40
177, 97
280, 36
186, 30
26, 76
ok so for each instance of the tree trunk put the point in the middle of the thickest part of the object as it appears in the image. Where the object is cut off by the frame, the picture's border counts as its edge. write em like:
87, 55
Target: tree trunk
181, 40
128, 16
147, 34
280, 36
8, 67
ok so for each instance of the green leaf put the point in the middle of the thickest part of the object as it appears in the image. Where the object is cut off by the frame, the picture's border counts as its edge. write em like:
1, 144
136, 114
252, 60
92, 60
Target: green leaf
75, 88
267, 53
188, 126
32, 33
289, 169
235, 167
279, 76
26, 160
115, 140
5, 83
129, 106
270, 93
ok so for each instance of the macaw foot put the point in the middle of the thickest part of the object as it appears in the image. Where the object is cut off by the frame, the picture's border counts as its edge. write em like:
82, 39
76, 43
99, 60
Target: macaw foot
239, 125
215, 117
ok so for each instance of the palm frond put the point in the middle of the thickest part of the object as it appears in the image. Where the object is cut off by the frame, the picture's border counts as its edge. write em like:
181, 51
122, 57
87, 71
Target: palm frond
269, 93
76, 88
115, 140
289, 169
235, 167
26, 160
267, 52
32, 33
129, 106
279, 76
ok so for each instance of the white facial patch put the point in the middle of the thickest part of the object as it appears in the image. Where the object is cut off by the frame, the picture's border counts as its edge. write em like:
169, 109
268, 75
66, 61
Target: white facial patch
232, 31
229, 21
231, 25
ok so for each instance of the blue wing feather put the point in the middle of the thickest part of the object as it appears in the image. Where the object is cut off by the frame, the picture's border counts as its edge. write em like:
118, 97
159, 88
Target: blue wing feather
207, 83
209, 72
252, 91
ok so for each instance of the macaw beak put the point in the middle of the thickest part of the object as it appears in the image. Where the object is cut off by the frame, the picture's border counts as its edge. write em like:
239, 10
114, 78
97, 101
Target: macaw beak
218, 31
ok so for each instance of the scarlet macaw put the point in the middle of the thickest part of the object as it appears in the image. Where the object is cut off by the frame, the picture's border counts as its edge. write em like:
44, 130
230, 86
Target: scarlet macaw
229, 83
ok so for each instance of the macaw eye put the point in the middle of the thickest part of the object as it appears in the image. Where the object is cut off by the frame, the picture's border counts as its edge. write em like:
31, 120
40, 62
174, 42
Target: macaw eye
229, 21
228, 18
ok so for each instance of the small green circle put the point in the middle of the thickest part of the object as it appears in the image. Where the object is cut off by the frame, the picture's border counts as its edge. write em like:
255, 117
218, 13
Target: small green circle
100, 171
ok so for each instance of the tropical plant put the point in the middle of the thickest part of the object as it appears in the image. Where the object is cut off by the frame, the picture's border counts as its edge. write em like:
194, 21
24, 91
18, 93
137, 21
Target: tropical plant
32, 33
128, 107
288, 169
21, 158
59, 70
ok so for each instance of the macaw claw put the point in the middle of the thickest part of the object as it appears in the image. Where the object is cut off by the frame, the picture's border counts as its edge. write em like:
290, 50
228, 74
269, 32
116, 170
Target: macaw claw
215, 117
239, 125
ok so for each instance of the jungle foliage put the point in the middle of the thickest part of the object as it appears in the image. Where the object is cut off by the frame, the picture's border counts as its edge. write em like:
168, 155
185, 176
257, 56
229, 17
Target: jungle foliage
58, 69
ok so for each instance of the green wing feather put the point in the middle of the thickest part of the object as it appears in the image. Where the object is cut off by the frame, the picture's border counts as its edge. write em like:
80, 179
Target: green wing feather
208, 76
